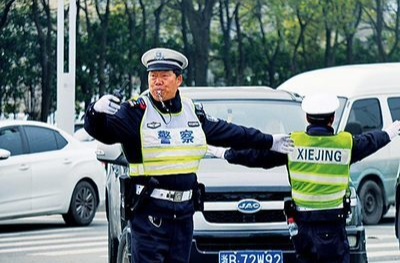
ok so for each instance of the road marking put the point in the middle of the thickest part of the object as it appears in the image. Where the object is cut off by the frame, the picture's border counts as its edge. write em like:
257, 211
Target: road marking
58, 241
71, 252
76, 245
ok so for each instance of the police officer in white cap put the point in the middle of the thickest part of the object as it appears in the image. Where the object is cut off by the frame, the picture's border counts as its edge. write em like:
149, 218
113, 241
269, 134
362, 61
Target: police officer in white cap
164, 137
319, 171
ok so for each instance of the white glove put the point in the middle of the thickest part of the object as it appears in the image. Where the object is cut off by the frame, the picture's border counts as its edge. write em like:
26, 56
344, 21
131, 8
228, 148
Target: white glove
282, 143
107, 104
393, 130
218, 152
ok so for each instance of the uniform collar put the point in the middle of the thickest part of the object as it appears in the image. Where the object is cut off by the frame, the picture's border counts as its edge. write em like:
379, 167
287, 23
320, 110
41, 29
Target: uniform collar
174, 105
319, 130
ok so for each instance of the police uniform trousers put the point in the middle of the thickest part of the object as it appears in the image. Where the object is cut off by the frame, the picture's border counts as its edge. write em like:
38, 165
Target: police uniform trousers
322, 237
160, 240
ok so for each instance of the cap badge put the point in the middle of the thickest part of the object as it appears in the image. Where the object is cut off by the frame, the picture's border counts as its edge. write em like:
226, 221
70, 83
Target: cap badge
159, 55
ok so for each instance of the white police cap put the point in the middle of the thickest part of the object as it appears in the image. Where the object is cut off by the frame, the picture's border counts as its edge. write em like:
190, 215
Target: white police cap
164, 59
319, 104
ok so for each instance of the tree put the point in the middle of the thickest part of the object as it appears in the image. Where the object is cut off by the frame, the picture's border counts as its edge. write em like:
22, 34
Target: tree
350, 16
43, 22
4, 14
199, 19
103, 31
226, 18
384, 18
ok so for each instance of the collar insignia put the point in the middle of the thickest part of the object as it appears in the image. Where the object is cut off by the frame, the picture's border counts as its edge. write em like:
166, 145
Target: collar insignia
193, 124
153, 125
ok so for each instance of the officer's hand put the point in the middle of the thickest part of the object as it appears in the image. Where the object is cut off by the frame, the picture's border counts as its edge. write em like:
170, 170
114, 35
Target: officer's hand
393, 130
107, 104
282, 143
218, 152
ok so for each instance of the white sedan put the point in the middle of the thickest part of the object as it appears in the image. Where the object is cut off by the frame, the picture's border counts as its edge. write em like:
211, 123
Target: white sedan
48, 172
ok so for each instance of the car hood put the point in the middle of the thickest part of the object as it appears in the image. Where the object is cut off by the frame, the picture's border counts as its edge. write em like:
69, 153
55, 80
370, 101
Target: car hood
217, 172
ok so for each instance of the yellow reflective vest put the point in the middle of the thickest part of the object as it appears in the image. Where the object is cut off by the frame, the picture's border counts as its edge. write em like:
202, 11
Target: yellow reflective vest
319, 169
171, 143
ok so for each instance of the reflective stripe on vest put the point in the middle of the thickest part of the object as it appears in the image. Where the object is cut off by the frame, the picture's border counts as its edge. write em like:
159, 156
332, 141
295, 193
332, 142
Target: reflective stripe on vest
174, 147
319, 169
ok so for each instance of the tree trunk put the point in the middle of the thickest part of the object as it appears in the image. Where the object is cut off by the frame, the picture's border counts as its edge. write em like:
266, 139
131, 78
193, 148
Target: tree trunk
104, 23
89, 89
157, 16
241, 58
199, 22
187, 49
3, 18
45, 57
379, 30
143, 47
226, 24
131, 14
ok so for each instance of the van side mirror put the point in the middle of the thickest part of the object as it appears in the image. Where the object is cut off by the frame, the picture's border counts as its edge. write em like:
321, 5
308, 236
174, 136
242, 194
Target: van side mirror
4, 154
112, 153
354, 128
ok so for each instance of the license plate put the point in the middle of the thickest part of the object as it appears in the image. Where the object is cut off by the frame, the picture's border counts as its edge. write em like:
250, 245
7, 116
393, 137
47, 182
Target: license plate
250, 256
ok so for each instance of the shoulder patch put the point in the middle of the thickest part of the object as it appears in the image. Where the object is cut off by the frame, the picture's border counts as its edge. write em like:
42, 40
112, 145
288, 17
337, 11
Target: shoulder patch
137, 102
211, 118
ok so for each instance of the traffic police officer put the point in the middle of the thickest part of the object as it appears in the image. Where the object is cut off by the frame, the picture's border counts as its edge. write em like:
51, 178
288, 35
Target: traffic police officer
164, 136
319, 170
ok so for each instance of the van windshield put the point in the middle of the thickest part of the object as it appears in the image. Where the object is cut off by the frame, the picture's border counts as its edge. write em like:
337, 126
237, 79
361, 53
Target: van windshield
266, 115
339, 113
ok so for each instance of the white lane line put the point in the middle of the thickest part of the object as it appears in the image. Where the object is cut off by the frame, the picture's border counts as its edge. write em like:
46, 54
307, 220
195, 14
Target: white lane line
36, 232
384, 245
79, 245
71, 252
377, 254
26, 238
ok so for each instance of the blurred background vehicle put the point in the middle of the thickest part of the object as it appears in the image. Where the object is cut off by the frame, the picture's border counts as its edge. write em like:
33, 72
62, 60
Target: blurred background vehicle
222, 226
369, 100
48, 172
397, 206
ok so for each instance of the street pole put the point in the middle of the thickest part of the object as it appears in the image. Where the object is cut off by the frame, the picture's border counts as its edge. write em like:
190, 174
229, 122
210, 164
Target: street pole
65, 116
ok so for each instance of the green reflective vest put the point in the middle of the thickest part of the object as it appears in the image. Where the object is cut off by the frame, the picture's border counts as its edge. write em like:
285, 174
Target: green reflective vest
171, 144
319, 169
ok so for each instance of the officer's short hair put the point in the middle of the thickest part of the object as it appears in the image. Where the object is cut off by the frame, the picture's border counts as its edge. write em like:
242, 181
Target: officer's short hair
320, 119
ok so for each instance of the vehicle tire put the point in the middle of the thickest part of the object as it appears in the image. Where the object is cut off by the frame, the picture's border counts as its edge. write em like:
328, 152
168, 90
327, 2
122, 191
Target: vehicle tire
372, 202
112, 248
124, 248
82, 208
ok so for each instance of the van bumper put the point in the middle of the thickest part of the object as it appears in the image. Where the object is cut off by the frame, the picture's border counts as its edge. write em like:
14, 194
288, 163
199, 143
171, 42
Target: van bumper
207, 244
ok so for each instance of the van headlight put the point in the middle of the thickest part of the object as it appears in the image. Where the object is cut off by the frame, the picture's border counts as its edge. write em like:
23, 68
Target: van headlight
352, 239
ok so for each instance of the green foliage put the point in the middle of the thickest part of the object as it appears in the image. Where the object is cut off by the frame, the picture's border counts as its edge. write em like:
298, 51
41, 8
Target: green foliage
279, 38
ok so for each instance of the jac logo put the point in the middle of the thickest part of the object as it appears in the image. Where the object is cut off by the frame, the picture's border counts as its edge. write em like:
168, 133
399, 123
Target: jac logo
248, 206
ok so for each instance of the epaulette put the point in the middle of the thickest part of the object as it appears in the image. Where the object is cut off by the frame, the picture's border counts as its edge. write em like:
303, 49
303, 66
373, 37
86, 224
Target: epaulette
137, 101
199, 110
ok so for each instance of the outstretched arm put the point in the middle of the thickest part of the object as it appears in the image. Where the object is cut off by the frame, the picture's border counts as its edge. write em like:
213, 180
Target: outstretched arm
368, 143
250, 157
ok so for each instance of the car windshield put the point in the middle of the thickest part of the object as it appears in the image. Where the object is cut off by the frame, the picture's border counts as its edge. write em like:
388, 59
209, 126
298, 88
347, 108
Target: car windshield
266, 115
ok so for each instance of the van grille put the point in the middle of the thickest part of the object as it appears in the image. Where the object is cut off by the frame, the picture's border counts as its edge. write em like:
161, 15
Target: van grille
263, 216
237, 196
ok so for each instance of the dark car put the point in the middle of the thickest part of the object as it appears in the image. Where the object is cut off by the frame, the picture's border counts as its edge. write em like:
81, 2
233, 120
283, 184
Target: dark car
224, 227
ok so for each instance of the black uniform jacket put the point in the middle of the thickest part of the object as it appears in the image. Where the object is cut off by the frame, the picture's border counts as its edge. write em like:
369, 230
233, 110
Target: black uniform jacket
124, 128
363, 145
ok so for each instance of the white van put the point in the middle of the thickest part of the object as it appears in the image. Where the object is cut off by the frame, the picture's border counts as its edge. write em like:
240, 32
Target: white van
369, 99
